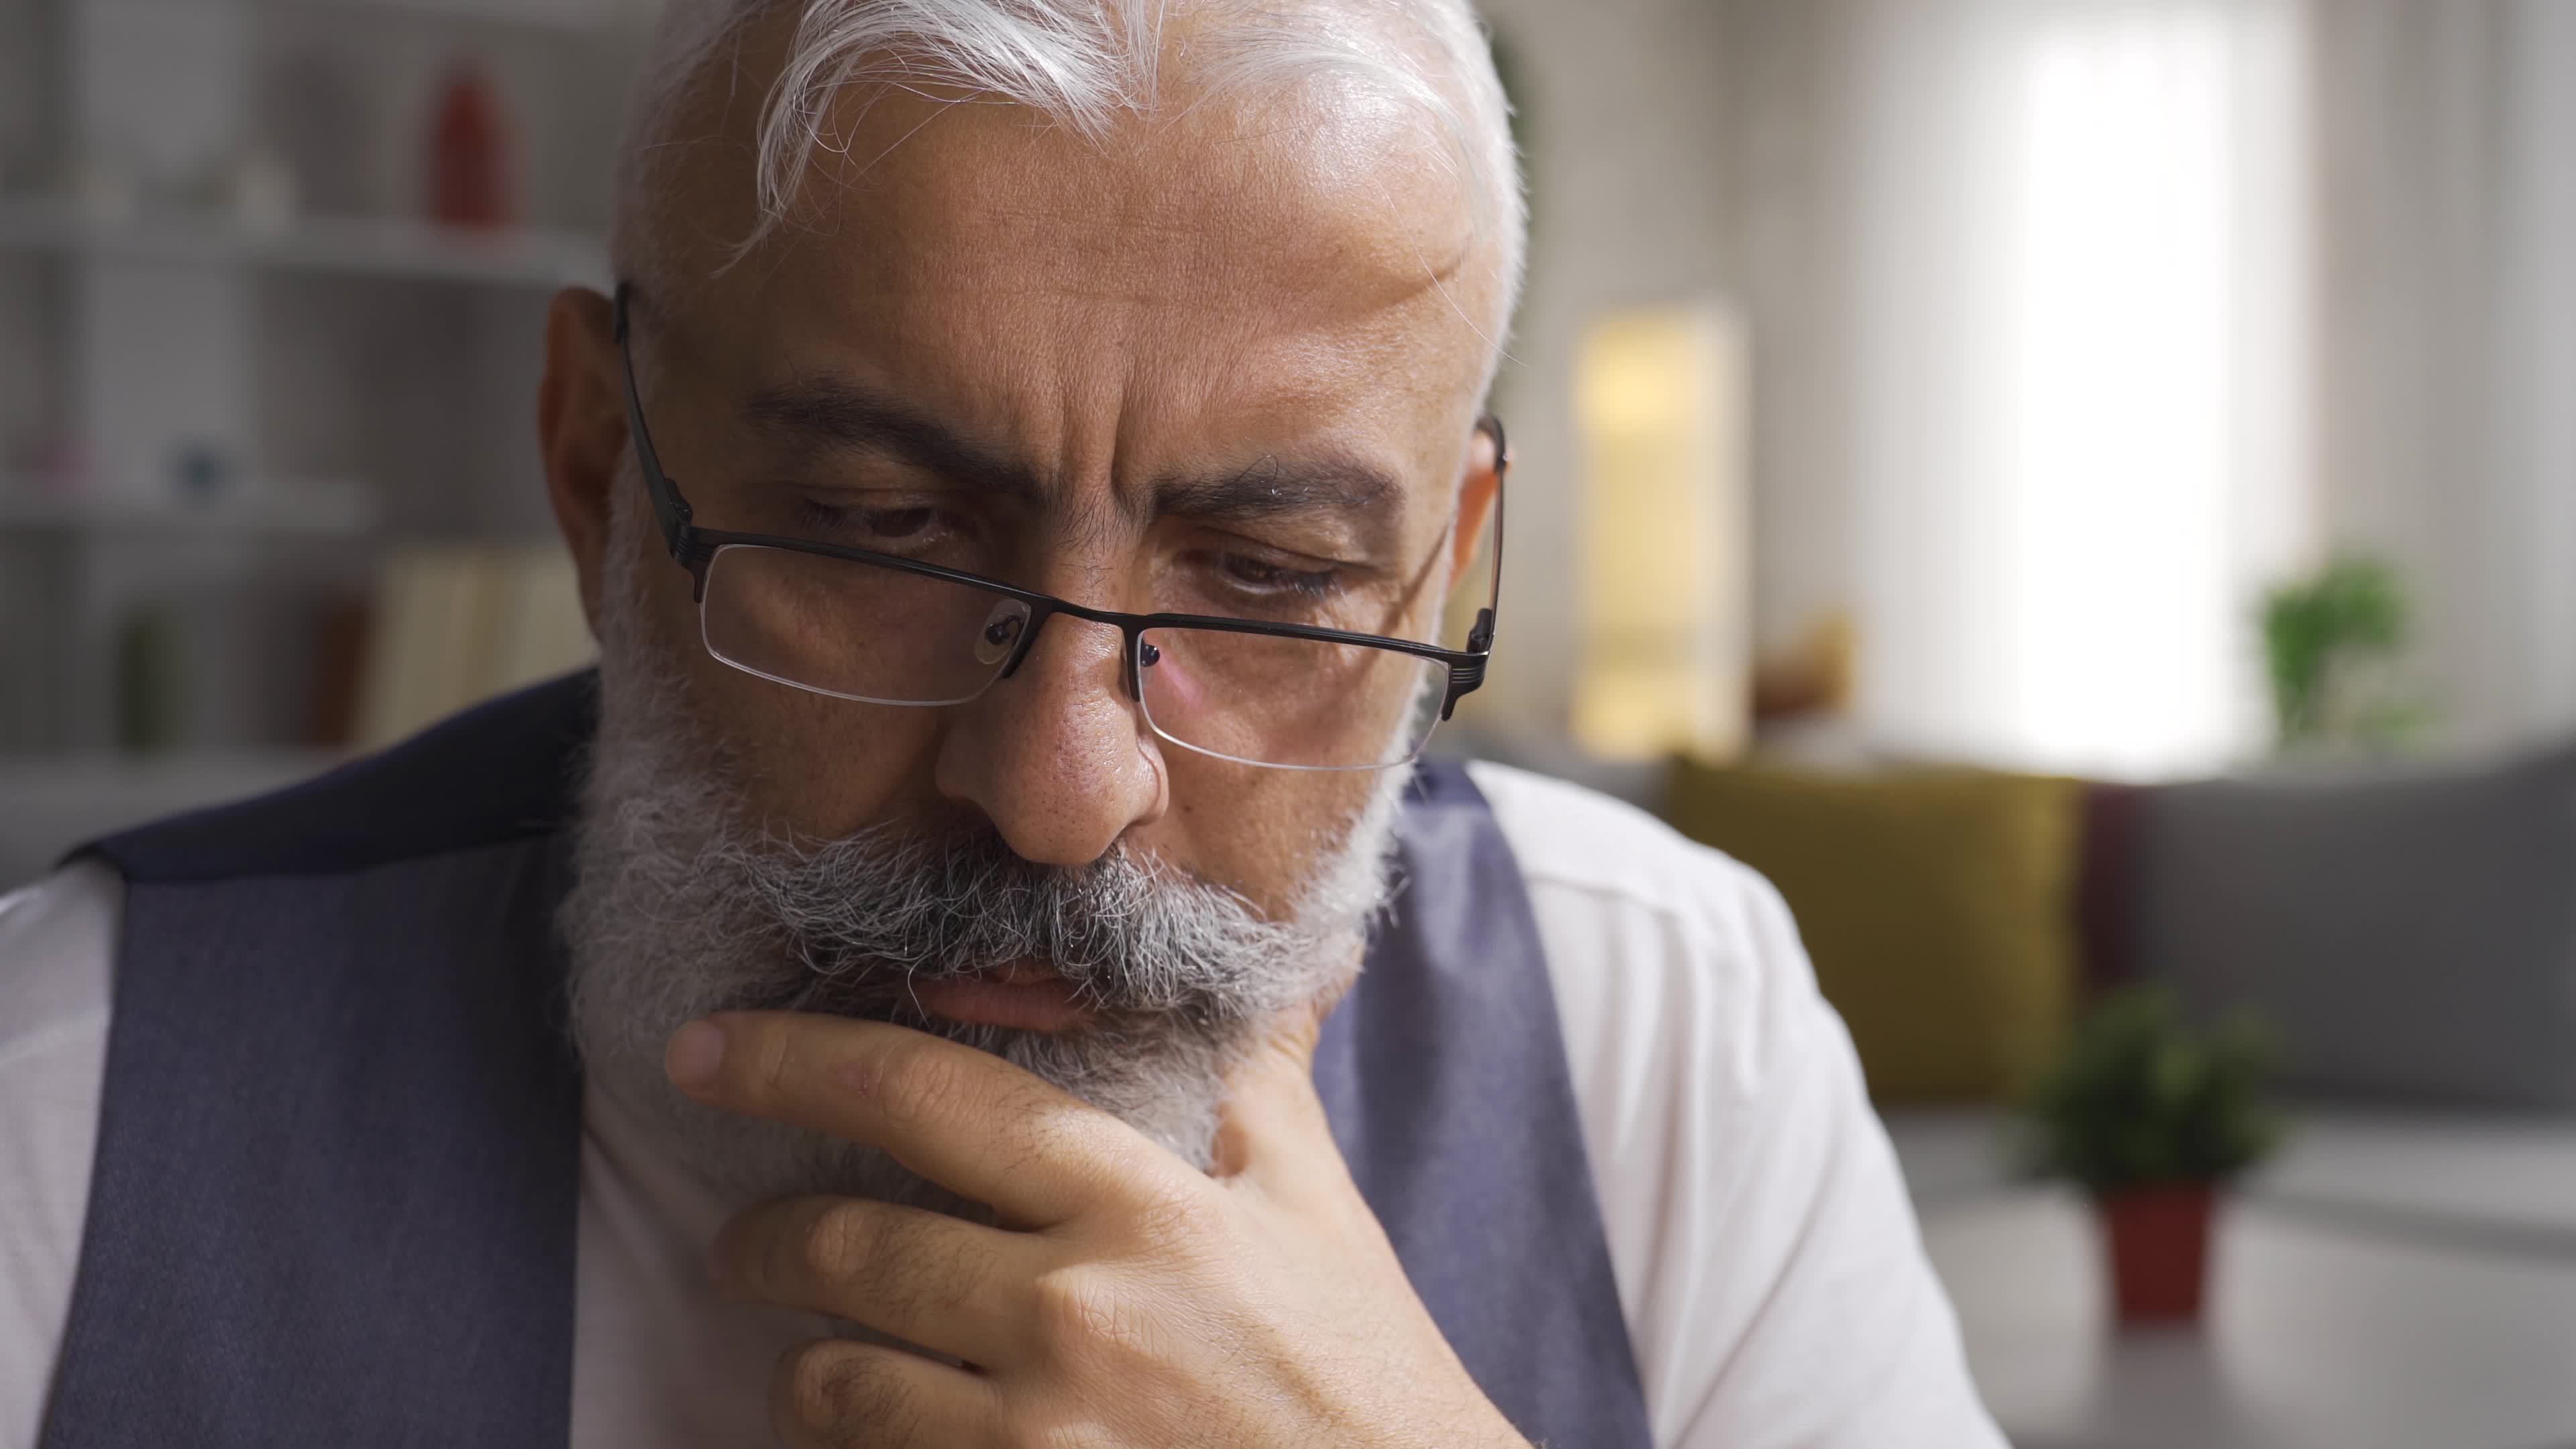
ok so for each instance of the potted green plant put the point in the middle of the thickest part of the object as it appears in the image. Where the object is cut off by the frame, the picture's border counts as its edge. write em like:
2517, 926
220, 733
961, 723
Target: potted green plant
2151, 1117
2330, 643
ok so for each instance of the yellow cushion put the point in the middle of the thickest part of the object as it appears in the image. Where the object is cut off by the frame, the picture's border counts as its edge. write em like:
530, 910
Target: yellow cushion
1938, 905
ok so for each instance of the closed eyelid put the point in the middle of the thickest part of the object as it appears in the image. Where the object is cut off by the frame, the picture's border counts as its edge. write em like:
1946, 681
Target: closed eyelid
1283, 559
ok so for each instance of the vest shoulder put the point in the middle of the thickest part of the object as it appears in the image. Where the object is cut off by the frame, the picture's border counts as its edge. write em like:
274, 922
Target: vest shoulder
502, 771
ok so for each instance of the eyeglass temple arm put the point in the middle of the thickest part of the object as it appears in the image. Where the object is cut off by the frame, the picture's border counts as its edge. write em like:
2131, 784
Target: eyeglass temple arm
1480, 639
669, 507
1468, 675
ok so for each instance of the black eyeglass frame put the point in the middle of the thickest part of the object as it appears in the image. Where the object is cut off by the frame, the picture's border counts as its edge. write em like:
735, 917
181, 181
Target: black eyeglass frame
695, 548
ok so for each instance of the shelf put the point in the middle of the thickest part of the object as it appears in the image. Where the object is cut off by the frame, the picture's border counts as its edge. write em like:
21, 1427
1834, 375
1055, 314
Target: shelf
563, 17
306, 511
577, 17
519, 257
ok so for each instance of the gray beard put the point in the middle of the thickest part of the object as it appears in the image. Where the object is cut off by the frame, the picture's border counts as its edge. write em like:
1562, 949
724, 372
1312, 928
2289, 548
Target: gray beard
678, 910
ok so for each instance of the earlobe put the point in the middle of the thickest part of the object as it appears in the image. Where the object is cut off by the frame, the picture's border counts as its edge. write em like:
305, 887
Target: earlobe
581, 428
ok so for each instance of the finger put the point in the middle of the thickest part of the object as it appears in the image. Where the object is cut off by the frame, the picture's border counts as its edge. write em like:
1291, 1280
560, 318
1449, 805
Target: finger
965, 1119
923, 1277
1272, 1128
836, 1392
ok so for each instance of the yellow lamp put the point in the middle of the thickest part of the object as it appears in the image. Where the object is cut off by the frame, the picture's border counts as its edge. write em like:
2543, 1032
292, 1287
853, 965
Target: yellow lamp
1660, 400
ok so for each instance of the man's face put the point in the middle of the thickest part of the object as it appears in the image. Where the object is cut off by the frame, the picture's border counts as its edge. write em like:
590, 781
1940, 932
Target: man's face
1219, 359
1222, 362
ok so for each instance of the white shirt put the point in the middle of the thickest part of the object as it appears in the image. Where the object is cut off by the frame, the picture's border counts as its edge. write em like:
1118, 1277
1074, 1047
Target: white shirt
1769, 1266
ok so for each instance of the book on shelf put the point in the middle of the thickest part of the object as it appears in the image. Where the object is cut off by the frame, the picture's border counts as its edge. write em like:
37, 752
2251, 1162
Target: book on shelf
455, 624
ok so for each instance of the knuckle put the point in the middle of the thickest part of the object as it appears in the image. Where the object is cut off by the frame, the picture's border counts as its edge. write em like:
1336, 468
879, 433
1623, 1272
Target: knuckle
1072, 1304
769, 1062
1079, 1313
1176, 1214
1029, 1131
826, 1390
922, 1083
835, 1244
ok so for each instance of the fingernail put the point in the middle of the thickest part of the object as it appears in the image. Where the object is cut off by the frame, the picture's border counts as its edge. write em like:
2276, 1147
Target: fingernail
696, 1050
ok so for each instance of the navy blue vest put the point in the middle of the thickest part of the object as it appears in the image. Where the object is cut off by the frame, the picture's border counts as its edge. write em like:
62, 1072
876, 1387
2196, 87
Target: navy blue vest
337, 1183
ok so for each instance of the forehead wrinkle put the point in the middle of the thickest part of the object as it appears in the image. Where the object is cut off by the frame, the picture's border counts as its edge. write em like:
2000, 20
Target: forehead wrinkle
1304, 288
1170, 210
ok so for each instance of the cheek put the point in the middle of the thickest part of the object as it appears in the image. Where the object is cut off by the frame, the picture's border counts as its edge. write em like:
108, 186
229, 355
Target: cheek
827, 768
1261, 832
818, 767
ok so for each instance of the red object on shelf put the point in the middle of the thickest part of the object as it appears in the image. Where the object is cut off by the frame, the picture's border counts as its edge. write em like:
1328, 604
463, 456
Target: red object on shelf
2158, 1239
469, 161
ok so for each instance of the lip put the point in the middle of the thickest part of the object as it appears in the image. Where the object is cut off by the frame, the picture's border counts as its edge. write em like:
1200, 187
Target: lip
1024, 996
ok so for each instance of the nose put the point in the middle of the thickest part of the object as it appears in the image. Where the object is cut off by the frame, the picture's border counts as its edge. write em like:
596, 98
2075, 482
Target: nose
1054, 755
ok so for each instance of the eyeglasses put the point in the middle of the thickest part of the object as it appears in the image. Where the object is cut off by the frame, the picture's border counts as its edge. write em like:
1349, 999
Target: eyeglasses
887, 628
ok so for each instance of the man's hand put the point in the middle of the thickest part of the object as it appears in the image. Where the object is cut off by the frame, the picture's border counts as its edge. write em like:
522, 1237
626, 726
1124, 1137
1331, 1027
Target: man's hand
1128, 1299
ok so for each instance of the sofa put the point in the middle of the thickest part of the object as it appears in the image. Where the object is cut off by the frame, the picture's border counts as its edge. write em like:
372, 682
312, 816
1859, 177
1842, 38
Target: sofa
2404, 1273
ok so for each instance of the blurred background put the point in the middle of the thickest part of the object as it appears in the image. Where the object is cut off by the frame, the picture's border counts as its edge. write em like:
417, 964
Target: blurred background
2081, 492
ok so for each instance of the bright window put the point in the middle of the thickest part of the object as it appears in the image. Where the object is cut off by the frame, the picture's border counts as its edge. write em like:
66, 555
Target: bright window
2119, 344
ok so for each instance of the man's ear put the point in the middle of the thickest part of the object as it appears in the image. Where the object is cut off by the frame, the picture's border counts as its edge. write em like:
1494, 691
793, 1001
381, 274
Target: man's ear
581, 428
1477, 494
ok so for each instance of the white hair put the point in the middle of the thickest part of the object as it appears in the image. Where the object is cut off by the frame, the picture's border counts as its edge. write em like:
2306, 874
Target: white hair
1084, 63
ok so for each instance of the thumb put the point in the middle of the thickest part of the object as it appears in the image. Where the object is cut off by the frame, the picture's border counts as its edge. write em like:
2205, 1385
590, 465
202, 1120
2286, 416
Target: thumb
1271, 1125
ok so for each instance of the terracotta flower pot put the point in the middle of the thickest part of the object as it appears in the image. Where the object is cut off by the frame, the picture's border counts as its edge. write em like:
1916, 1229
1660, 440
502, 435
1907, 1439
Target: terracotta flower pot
2158, 1241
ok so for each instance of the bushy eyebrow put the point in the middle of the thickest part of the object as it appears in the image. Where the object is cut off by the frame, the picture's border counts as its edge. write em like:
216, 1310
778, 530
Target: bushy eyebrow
835, 414
1277, 486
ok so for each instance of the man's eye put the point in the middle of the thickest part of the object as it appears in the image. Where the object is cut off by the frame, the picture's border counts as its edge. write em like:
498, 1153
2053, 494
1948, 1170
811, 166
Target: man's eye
1270, 578
894, 522
872, 525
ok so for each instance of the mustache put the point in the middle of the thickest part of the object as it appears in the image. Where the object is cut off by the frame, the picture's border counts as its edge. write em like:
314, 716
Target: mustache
863, 917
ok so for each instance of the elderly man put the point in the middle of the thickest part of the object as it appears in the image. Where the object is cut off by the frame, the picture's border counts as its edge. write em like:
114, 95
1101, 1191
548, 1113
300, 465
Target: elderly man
1030, 494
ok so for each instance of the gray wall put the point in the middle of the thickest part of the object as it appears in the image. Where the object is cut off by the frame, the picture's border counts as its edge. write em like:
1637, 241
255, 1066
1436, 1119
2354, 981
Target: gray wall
1628, 164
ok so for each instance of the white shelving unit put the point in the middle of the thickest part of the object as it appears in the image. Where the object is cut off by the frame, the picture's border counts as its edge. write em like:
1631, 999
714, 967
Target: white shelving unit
275, 510
576, 17
392, 249
349, 378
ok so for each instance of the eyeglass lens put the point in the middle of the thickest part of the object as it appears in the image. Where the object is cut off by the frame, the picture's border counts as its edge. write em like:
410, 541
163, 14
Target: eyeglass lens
887, 636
